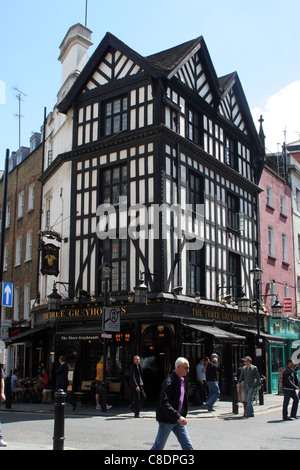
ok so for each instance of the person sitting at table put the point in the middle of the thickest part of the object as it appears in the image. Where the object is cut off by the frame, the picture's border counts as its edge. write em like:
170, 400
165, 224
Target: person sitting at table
44, 380
15, 381
43, 383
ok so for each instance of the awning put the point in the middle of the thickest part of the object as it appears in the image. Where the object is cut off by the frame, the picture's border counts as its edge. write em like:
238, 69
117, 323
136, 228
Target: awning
81, 334
216, 332
25, 336
270, 338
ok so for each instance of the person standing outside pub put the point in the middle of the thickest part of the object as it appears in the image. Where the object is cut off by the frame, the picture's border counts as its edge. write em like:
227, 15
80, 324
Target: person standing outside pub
212, 381
62, 381
249, 376
136, 385
99, 381
201, 380
172, 408
290, 387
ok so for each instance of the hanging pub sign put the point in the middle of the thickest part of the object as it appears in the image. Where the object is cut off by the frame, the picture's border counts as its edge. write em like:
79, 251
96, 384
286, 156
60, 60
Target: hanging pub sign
50, 259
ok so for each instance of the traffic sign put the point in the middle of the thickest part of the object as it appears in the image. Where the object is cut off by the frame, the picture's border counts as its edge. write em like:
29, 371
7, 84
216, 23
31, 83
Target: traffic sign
111, 319
7, 294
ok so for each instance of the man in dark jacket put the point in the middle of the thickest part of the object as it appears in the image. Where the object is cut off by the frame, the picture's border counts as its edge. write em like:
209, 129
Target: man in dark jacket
172, 408
136, 385
62, 381
212, 381
290, 387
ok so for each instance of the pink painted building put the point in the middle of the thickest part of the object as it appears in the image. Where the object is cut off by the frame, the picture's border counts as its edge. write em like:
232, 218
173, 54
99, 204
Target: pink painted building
276, 241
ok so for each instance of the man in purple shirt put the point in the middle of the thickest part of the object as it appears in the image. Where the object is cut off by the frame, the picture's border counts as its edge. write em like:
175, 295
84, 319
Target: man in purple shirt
172, 408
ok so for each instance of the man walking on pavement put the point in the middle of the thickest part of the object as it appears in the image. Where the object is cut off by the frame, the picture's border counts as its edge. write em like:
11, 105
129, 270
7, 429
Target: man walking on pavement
62, 380
249, 376
172, 408
290, 387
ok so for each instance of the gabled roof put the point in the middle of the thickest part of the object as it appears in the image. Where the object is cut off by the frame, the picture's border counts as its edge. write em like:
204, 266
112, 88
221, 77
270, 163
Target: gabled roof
108, 41
169, 59
161, 64
225, 91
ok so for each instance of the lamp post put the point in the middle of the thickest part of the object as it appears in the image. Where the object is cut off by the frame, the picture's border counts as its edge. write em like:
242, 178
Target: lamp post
257, 273
106, 270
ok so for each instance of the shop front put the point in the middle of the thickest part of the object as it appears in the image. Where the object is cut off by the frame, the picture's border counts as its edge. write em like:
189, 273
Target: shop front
287, 331
158, 332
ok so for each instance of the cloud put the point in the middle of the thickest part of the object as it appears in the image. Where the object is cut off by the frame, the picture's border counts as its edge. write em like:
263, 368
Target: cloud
281, 114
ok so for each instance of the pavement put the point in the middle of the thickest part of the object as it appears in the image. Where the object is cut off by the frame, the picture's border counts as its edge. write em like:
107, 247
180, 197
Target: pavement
222, 408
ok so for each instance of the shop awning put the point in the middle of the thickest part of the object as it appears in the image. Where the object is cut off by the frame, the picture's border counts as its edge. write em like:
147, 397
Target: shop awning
216, 332
270, 338
25, 336
81, 334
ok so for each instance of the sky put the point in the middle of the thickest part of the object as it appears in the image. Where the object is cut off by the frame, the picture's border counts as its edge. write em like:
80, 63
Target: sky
259, 40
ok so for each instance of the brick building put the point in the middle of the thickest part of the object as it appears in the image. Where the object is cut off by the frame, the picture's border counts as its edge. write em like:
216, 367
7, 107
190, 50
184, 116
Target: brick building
20, 255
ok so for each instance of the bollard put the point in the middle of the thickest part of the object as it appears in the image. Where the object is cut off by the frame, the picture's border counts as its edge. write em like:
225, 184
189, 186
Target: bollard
261, 391
8, 394
103, 397
235, 400
59, 420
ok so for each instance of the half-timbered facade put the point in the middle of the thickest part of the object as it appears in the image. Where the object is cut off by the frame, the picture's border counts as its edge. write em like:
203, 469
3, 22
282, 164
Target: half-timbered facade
162, 183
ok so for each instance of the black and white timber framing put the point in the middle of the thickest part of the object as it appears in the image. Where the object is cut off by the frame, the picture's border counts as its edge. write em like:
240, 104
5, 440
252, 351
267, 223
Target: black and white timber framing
162, 129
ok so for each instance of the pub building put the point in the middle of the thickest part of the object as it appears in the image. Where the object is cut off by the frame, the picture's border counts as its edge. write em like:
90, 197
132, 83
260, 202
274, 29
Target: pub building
152, 166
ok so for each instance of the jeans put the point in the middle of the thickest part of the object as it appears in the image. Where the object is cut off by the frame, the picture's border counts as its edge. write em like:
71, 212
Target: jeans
213, 393
249, 396
180, 432
290, 394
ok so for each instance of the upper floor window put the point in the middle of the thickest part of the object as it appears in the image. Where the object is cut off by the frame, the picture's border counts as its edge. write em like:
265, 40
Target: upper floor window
234, 275
18, 251
115, 115
192, 128
114, 184
21, 204
233, 207
271, 241
282, 205
29, 238
284, 248
31, 197
269, 196
7, 219
230, 154
298, 199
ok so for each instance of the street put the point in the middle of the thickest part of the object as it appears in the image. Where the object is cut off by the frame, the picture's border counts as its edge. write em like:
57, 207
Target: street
118, 431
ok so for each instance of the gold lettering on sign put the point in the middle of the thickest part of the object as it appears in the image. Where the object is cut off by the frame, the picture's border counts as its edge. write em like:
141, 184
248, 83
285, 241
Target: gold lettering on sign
78, 313
216, 315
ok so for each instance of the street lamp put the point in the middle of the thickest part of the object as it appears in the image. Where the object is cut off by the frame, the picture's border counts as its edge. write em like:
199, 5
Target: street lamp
257, 273
106, 270
243, 303
54, 300
141, 293
276, 309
